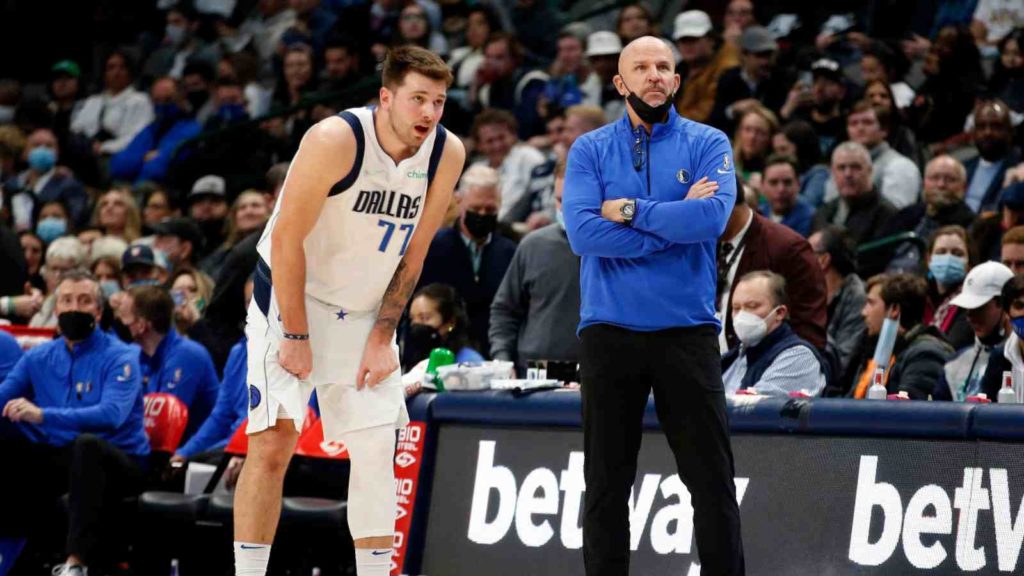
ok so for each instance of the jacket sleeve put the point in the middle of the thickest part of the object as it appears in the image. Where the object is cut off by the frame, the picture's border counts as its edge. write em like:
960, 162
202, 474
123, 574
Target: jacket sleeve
205, 385
993, 379
138, 115
589, 233
217, 429
805, 284
919, 373
508, 310
121, 379
156, 169
690, 221
17, 384
126, 164
848, 332
77, 199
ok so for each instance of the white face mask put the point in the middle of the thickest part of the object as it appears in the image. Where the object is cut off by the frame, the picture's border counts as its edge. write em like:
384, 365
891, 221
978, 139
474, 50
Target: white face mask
749, 327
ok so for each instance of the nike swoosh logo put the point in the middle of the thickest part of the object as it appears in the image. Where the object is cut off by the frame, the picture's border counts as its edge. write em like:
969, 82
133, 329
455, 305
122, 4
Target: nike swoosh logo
121, 379
380, 552
720, 171
244, 547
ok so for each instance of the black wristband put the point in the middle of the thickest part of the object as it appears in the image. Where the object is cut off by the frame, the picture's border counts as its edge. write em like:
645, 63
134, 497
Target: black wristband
288, 336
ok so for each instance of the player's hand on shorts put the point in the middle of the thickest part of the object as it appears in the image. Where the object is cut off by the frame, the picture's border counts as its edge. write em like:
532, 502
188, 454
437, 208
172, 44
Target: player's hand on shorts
296, 357
702, 188
379, 362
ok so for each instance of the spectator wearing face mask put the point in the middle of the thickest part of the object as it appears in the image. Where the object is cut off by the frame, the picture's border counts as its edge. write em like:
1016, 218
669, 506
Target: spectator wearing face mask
180, 44
437, 319
963, 375
473, 256
53, 221
948, 260
151, 153
536, 309
43, 182
72, 421
232, 148
770, 359
170, 362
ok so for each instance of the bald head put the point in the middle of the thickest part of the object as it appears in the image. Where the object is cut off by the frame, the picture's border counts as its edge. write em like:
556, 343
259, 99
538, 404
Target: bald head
644, 46
945, 182
647, 69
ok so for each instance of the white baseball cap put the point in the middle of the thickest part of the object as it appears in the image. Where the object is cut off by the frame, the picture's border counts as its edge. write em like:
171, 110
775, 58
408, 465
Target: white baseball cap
603, 43
984, 282
691, 24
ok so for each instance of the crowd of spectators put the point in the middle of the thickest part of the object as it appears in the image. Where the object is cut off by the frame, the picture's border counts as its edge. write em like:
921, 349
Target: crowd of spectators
878, 146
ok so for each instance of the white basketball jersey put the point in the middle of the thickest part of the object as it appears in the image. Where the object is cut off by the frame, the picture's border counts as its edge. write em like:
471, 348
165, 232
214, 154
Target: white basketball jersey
367, 220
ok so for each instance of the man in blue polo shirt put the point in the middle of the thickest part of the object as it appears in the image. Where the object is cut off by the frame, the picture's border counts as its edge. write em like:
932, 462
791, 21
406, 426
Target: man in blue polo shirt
170, 362
645, 201
71, 422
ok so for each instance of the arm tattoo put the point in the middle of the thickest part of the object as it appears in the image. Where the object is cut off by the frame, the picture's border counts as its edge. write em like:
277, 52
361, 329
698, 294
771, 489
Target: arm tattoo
396, 297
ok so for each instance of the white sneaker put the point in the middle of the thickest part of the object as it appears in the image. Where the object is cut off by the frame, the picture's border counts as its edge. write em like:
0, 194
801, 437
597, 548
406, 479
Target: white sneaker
68, 570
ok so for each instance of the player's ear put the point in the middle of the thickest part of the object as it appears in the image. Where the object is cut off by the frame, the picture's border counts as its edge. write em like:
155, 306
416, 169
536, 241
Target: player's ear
384, 96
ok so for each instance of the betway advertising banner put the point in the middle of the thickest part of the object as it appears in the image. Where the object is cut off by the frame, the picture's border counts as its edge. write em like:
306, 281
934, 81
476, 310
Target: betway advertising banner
509, 502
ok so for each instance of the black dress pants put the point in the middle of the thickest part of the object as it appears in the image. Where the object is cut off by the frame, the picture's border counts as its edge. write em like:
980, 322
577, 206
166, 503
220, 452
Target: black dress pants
94, 473
619, 368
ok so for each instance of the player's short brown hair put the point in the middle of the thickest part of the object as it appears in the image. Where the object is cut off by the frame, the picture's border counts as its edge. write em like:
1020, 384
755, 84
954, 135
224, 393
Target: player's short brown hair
402, 60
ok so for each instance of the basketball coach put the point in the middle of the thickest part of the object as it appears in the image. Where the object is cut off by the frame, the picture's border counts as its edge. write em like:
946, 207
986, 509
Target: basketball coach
645, 200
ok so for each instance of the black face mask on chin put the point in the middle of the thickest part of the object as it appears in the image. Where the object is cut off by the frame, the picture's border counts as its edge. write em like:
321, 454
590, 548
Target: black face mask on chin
646, 112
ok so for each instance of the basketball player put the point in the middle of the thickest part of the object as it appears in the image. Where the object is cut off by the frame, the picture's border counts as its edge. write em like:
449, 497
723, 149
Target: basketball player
339, 259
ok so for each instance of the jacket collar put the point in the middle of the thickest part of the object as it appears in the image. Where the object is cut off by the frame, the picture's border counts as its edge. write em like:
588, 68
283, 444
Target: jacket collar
659, 130
170, 339
86, 345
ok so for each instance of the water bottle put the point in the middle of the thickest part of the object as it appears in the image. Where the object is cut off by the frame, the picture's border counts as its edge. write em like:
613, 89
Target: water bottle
174, 567
1006, 393
877, 391
438, 357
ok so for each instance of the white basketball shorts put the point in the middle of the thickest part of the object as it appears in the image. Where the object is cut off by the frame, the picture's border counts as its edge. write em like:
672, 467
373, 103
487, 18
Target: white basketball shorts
338, 339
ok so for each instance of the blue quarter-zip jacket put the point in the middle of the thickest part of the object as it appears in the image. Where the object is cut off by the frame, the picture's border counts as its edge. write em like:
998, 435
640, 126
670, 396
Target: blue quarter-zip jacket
660, 272
231, 409
94, 387
182, 367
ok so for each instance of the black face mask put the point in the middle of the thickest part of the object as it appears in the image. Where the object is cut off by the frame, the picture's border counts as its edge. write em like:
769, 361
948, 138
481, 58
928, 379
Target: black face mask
646, 112
212, 230
196, 99
419, 341
480, 225
76, 326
